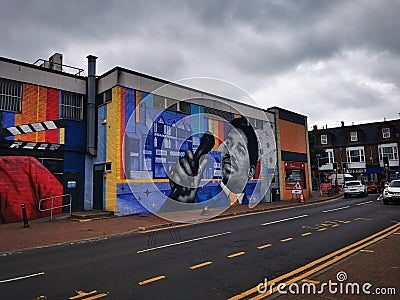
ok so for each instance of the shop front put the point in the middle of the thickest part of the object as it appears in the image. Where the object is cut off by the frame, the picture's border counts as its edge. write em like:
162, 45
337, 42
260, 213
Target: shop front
294, 172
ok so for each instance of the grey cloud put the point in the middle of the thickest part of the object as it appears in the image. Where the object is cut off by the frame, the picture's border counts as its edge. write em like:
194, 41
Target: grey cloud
250, 43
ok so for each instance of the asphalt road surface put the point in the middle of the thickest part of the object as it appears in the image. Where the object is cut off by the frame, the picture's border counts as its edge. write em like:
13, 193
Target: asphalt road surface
213, 260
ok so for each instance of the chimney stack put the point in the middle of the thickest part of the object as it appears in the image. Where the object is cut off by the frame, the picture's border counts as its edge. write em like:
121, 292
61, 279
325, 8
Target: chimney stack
55, 62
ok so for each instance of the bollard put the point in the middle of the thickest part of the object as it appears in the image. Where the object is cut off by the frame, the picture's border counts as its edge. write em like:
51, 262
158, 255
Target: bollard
25, 217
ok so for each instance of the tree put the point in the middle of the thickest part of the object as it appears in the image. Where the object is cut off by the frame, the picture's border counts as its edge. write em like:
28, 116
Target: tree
314, 150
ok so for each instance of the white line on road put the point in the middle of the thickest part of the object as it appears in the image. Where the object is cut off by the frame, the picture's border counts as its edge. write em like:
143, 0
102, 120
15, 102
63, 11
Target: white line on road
329, 210
283, 220
184, 242
21, 277
362, 203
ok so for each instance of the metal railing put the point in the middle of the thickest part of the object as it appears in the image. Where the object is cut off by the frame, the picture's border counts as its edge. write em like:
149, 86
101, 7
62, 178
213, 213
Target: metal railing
46, 64
68, 196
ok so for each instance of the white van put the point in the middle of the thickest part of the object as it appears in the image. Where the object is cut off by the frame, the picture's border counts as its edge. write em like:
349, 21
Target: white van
340, 178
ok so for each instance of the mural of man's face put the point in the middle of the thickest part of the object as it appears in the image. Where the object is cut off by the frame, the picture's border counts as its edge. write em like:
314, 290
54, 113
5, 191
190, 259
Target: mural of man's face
235, 161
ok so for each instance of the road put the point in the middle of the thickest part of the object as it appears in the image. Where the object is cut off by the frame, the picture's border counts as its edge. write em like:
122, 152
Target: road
216, 260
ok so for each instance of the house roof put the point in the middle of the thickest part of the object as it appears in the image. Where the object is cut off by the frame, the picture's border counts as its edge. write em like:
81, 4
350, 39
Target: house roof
369, 132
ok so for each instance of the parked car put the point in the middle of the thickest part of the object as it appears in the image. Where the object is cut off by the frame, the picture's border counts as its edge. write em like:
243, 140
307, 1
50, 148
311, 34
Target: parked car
355, 188
392, 192
372, 187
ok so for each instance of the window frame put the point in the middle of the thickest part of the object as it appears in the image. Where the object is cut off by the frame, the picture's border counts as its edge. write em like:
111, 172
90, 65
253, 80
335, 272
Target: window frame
353, 136
361, 154
324, 139
330, 156
394, 155
11, 91
386, 133
71, 111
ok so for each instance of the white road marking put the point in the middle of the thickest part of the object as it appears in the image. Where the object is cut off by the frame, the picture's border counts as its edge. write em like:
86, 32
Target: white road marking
362, 203
184, 242
283, 220
329, 210
21, 277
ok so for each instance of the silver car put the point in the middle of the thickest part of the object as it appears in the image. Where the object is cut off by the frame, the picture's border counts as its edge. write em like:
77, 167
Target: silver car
355, 188
392, 192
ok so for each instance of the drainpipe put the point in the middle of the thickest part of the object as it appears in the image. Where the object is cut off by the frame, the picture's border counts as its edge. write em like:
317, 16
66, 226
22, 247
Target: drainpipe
279, 150
91, 106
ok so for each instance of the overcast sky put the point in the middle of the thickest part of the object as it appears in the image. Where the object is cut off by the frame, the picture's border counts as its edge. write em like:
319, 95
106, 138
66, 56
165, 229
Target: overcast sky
329, 60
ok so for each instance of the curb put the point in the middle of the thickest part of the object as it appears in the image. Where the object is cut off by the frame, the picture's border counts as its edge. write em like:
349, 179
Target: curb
232, 214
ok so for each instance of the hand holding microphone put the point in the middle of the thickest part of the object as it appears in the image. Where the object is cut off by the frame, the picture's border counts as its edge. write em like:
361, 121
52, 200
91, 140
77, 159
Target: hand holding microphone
185, 175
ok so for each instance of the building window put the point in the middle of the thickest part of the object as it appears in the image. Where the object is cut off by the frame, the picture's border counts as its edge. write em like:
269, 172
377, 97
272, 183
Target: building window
386, 133
71, 106
184, 107
353, 136
294, 172
389, 150
252, 121
324, 139
355, 154
158, 102
329, 156
172, 104
10, 96
259, 124
208, 111
292, 176
104, 97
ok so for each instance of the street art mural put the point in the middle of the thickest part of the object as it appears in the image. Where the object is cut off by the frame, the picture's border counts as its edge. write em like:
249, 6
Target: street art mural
180, 157
33, 141
24, 180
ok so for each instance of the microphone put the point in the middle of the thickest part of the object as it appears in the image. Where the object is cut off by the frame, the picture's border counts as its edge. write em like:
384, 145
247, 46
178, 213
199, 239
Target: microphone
207, 143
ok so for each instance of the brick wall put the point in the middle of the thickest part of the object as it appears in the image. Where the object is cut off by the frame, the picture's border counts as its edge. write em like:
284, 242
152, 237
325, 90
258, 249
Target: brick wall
293, 137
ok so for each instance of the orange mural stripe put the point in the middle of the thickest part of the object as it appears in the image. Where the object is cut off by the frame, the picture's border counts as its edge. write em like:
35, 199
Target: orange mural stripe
137, 110
42, 107
29, 110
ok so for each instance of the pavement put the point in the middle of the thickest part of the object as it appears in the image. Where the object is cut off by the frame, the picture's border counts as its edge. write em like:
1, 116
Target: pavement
382, 262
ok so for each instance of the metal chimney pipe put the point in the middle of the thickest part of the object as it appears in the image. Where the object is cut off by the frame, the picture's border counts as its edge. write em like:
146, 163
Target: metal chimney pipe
91, 107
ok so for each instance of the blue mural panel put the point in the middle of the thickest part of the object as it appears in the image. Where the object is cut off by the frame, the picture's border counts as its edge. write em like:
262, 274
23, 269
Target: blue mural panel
156, 142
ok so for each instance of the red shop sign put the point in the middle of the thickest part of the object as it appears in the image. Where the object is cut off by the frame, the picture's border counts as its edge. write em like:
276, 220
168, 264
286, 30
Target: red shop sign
294, 165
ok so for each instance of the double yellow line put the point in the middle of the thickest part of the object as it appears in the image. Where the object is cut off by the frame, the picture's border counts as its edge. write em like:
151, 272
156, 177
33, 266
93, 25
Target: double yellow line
317, 265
